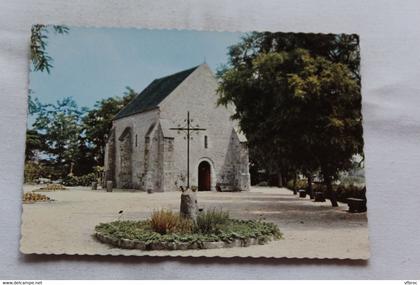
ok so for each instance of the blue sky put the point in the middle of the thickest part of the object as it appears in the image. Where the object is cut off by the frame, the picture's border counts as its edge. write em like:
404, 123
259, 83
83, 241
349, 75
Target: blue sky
95, 63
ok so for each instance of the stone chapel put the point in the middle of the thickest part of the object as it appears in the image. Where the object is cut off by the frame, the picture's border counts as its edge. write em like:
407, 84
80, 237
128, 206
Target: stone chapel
143, 152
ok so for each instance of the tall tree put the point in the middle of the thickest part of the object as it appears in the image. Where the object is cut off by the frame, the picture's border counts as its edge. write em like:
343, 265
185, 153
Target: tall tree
60, 126
297, 99
341, 48
332, 129
41, 61
98, 122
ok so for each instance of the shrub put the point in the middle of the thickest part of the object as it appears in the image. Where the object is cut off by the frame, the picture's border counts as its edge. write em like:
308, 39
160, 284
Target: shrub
347, 191
84, 180
35, 170
34, 197
318, 187
300, 184
165, 221
184, 226
209, 221
32, 171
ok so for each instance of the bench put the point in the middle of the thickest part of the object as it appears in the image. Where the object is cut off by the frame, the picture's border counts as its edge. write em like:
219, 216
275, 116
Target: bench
319, 197
356, 205
302, 193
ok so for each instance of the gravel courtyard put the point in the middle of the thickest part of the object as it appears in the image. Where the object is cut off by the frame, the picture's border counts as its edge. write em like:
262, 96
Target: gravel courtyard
66, 225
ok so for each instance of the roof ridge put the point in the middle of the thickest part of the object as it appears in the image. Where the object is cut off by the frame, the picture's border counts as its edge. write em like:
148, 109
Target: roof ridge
154, 93
177, 73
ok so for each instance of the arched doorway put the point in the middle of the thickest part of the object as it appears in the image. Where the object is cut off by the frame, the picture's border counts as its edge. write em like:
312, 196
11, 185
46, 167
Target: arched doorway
204, 176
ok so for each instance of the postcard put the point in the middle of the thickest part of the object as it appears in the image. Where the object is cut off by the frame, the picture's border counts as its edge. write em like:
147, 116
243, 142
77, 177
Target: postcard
194, 143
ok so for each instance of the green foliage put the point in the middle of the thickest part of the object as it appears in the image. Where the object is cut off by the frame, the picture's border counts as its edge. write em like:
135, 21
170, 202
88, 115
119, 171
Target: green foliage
35, 170
41, 61
69, 137
300, 184
350, 191
231, 230
210, 221
64, 133
98, 122
166, 221
59, 125
34, 143
343, 191
32, 171
84, 180
297, 99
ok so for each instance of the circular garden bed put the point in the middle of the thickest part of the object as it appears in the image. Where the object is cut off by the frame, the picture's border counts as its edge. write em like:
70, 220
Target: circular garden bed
203, 234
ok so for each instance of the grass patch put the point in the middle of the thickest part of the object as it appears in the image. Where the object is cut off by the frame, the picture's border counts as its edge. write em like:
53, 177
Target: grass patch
209, 221
166, 221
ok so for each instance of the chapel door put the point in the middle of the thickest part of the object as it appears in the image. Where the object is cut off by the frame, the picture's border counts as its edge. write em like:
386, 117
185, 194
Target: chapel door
204, 179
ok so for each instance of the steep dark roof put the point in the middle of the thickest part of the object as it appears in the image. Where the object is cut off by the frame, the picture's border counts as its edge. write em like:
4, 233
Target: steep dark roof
154, 93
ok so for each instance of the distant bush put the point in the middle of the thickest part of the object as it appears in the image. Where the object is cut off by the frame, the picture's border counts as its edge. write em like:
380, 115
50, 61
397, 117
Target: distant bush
209, 221
165, 222
262, 183
350, 191
84, 180
34, 197
343, 191
358, 181
32, 171
318, 187
300, 184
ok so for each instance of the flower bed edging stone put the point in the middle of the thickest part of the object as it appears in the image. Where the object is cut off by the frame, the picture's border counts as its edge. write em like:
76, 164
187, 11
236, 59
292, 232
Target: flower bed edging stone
137, 244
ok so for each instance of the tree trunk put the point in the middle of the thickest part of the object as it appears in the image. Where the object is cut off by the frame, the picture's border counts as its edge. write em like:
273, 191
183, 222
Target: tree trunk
294, 184
330, 192
280, 179
189, 207
310, 189
285, 180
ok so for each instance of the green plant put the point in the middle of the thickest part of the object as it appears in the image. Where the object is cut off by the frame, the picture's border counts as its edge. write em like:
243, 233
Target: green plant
184, 226
34, 197
32, 171
84, 180
209, 221
348, 191
300, 184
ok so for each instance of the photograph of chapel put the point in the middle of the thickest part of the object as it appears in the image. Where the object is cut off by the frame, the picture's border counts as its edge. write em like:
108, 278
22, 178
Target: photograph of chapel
155, 142
144, 152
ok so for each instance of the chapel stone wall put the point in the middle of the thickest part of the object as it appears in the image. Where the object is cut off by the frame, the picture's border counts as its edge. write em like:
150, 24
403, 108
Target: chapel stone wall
140, 124
198, 95
109, 173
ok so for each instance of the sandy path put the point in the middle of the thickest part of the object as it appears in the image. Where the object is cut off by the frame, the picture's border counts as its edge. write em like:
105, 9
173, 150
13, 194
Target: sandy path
310, 229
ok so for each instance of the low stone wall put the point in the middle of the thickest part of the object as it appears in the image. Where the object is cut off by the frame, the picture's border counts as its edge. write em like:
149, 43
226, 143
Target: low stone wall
137, 244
